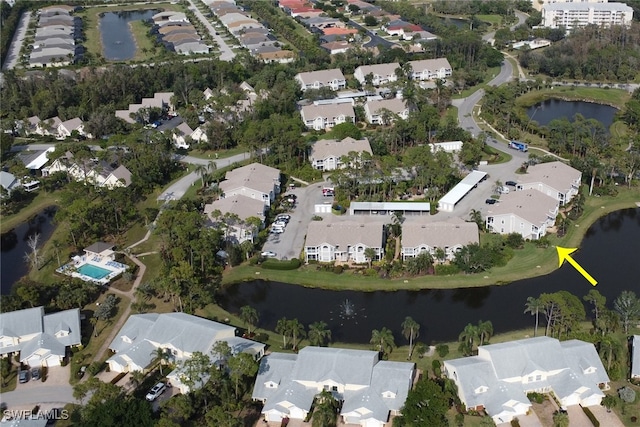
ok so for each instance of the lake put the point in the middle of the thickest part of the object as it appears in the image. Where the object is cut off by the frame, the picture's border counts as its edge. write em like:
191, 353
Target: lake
551, 109
609, 253
13, 246
118, 44
460, 23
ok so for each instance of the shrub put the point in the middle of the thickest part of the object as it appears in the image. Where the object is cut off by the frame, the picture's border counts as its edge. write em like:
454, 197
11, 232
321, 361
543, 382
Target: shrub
535, 397
515, 422
95, 368
591, 417
274, 264
316, 218
627, 394
442, 350
338, 269
514, 240
446, 269
118, 377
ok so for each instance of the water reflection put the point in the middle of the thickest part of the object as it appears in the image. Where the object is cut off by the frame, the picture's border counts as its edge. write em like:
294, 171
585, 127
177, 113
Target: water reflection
609, 252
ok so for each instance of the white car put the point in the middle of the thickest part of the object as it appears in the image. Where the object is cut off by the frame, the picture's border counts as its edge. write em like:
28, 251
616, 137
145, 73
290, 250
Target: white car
283, 217
279, 224
269, 254
277, 230
155, 392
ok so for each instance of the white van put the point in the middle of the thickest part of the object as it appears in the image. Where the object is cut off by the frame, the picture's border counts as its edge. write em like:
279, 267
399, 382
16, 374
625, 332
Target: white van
503, 190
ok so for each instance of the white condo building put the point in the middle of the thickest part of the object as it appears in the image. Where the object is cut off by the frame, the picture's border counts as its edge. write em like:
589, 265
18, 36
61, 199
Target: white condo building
572, 15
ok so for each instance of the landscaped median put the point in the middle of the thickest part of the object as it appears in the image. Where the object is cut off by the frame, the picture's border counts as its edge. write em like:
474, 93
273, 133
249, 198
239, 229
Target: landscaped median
526, 263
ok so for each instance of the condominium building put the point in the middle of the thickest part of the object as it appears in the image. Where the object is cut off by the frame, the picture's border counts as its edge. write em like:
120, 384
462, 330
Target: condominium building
573, 15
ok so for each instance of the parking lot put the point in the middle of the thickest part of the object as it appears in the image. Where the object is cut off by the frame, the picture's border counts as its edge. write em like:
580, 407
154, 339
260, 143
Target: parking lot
289, 244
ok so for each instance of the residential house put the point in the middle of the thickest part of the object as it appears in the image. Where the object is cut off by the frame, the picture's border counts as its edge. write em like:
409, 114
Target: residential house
240, 207
280, 56
99, 251
381, 73
67, 127
419, 36
118, 177
384, 111
336, 47
344, 241
100, 174
48, 126
31, 124
324, 78
555, 179
200, 134
327, 154
447, 146
180, 136
498, 379
180, 335
321, 117
635, 360
532, 44
41, 339
256, 181
528, 212
160, 100
430, 69
8, 181
450, 236
370, 390
35, 160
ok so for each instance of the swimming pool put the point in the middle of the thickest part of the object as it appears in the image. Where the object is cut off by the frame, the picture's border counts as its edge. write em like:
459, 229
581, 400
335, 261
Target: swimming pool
93, 271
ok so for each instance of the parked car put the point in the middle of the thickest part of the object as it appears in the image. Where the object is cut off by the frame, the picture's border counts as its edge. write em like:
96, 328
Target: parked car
35, 374
156, 391
269, 254
23, 376
511, 183
503, 190
291, 198
277, 230
283, 217
491, 201
280, 224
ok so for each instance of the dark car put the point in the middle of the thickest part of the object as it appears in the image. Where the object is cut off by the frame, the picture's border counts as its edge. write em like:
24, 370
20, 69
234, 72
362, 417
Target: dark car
511, 183
23, 376
35, 374
491, 201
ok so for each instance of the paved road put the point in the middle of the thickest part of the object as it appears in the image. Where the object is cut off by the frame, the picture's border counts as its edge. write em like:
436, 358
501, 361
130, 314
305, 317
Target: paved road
180, 187
44, 394
226, 54
16, 44
522, 17
290, 243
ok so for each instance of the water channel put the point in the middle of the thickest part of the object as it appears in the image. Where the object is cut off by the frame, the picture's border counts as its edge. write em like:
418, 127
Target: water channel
118, 44
552, 109
13, 246
609, 252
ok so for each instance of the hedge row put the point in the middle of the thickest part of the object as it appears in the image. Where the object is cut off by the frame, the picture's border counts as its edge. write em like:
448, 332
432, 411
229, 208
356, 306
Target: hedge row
591, 417
274, 264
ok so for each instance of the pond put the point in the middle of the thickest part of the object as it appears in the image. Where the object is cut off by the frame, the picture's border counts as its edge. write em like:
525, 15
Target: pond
460, 23
13, 245
551, 109
118, 44
609, 253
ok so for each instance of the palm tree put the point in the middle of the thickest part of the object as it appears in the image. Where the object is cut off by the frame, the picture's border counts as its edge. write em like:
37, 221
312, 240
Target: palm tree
296, 329
610, 348
468, 337
383, 339
326, 410
485, 330
476, 216
318, 333
369, 254
249, 316
533, 306
202, 171
137, 377
282, 327
411, 331
560, 419
162, 355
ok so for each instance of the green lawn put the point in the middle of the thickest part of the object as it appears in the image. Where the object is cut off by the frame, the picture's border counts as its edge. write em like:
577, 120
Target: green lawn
490, 74
494, 20
526, 263
614, 97
42, 201
11, 381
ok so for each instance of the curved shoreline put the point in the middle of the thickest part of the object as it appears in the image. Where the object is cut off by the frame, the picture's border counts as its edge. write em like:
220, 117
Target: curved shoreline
546, 263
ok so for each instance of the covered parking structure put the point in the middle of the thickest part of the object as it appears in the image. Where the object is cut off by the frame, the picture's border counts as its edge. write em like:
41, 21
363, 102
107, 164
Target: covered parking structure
457, 193
388, 208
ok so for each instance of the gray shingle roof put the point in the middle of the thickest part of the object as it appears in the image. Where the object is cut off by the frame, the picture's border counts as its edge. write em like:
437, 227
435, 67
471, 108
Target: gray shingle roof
255, 176
343, 234
341, 365
122, 173
322, 76
65, 324
99, 247
439, 234
530, 205
394, 105
240, 205
20, 323
7, 180
42, 343
324, 148
556, 175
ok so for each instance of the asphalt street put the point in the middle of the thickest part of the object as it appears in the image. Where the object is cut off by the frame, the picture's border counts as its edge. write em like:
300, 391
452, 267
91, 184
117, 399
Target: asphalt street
16, 44
226, 54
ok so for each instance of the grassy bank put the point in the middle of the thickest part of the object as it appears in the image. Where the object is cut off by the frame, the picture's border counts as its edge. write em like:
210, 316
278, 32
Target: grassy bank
38, 204
614, 97
490, 74
91, 25
526, 263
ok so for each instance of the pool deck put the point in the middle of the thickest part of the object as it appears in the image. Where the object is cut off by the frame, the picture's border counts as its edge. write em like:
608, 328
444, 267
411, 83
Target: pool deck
115, 268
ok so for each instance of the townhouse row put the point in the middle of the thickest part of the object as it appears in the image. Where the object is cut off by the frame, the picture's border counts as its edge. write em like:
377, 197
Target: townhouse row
55, 39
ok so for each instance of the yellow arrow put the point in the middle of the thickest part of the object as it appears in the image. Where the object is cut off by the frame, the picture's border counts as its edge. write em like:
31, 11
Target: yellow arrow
565, 254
